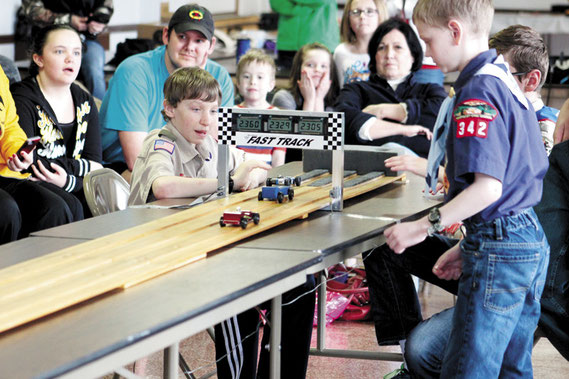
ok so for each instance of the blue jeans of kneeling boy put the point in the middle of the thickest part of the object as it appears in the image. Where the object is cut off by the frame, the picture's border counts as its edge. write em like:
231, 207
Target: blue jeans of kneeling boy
504, 268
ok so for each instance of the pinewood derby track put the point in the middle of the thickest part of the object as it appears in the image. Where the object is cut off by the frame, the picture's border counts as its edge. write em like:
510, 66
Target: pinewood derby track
50, 283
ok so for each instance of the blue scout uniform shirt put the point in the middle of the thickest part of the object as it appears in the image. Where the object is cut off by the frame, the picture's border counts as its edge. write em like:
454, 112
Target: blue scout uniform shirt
494, 133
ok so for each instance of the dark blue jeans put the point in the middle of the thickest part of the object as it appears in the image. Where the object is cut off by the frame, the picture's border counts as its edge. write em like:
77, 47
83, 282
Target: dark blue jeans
504, 264
504, 267
496, 326
553, 213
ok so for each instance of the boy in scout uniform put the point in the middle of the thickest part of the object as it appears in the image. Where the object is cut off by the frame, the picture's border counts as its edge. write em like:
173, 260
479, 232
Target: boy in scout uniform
180, 160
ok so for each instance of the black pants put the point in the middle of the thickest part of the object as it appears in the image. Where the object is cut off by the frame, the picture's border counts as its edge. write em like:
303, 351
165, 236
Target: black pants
395, 307
237, 339
28, 207
553, 213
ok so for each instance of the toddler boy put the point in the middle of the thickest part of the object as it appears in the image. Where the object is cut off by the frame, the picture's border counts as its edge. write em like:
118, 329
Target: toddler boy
492, 178
256, 78
180, 160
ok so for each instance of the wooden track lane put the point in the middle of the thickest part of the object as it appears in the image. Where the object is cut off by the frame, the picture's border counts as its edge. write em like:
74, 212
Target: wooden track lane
44, 285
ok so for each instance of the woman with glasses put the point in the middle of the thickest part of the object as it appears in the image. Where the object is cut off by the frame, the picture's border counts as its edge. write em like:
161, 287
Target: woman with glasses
359, 21
392, 107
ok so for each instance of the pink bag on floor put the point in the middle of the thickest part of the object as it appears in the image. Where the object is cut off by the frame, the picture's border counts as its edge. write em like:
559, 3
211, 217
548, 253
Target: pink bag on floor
347, 296
336, 304
353, 285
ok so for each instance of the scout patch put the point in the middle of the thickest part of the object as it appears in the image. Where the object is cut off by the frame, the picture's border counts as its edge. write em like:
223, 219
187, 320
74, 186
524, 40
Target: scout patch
473, 117
161, 144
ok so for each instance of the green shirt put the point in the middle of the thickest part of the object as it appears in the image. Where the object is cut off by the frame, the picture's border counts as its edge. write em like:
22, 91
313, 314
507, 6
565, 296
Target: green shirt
306, 21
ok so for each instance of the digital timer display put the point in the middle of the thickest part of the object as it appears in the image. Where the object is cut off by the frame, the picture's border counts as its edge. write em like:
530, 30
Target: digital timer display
311, 126
279, 124
251, 123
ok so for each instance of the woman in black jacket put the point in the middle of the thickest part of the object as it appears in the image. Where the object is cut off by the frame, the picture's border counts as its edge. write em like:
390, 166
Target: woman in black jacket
52, 107
392, 107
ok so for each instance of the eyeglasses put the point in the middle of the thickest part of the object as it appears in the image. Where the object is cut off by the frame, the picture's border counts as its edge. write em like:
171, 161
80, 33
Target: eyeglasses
367, 12
520, 73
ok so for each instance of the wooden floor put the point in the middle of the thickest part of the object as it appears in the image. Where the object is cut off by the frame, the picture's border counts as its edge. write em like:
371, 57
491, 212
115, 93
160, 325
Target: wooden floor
198, 350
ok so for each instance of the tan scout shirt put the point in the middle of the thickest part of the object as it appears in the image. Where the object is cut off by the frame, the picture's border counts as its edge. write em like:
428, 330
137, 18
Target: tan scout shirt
163, 155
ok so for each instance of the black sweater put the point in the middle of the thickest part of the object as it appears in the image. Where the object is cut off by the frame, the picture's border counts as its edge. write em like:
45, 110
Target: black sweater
423, 103
38, 119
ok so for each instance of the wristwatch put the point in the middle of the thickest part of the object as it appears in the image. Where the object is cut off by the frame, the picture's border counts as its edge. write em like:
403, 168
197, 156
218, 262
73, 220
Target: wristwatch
434, 218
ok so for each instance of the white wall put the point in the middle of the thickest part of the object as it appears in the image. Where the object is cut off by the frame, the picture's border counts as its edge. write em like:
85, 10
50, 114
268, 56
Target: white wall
8, 16
249, 7
246, 7
544, 5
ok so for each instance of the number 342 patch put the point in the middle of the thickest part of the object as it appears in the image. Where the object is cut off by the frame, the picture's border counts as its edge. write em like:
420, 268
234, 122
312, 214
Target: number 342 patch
473, 118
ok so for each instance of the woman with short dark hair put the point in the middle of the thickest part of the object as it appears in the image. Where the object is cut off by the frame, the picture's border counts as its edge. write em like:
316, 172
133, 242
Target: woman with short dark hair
392, 107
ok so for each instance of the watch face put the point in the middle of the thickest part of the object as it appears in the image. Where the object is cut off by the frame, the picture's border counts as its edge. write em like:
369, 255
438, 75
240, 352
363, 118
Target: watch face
434, 215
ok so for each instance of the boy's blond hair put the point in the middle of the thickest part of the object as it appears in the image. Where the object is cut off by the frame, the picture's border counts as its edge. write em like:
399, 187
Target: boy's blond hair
346, 32
524, 48
190, 83
477, 13
255, 55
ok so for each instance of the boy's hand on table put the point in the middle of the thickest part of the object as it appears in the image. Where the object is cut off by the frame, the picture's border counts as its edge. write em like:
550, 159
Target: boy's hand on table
416, 165
415, 130
401, 236
449, 265
243, 180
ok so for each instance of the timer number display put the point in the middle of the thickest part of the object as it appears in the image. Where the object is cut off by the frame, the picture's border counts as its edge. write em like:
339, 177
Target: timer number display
311, 126
249, 123
279, 124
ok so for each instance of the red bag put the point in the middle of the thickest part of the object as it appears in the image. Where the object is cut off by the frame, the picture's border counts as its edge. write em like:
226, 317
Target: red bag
354, 288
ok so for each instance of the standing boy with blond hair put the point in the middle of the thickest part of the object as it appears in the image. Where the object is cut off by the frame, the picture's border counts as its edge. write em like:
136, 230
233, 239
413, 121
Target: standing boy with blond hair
488, 133
255, 79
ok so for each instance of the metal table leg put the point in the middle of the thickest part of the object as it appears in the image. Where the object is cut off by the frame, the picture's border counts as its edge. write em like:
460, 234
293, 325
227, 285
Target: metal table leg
321, 349
171, 362
276, 326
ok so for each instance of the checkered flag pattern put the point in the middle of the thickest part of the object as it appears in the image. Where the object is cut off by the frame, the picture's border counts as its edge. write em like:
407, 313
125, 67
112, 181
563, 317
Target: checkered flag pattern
333, 141
224, 133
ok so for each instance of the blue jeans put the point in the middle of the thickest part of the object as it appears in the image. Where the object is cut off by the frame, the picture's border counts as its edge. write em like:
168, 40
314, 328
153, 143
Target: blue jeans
495, 317
504, 264
426, 345
93, 68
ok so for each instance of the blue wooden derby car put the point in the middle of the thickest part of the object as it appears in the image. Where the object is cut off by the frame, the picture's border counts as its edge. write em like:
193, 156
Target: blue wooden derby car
277, 193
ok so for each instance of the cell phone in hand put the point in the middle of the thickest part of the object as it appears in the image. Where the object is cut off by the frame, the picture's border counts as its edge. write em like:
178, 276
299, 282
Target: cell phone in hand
29, 145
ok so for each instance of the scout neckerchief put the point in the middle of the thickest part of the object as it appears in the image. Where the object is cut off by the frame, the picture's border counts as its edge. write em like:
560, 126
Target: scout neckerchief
498, 69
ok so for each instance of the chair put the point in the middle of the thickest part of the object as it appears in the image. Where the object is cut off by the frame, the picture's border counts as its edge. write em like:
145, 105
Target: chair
105, 191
